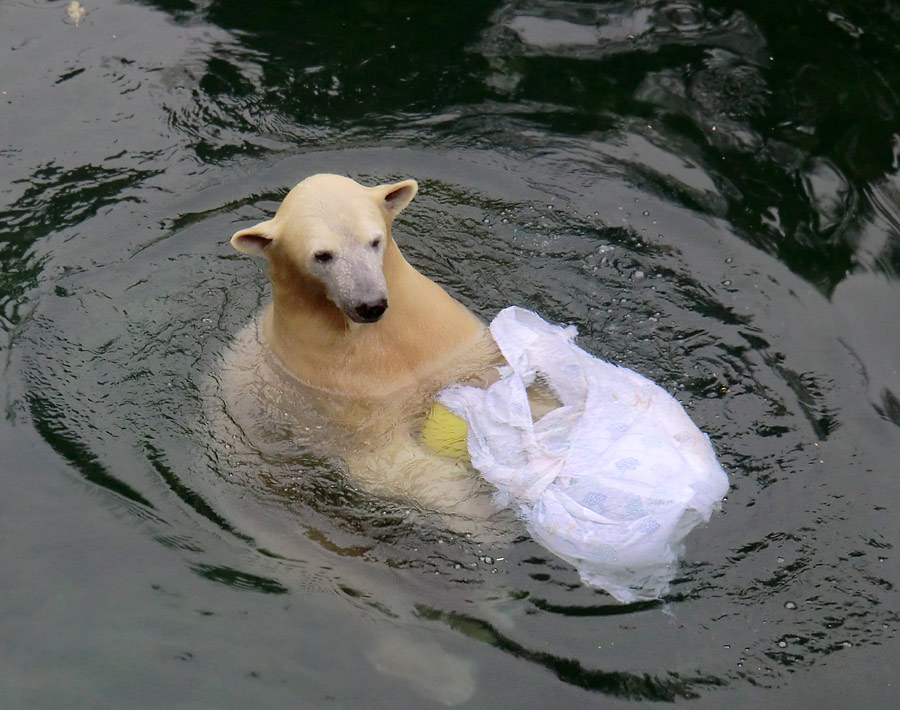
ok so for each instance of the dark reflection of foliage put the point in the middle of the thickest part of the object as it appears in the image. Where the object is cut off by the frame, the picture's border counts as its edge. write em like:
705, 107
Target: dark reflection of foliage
596, 609
19, 273
832, 95
889, 408
240, 580
364, 59
813, 102
54, 199
632, 686
50, 423
183, 491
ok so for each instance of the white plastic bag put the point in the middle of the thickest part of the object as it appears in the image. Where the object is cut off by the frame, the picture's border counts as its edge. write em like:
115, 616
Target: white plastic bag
612, 480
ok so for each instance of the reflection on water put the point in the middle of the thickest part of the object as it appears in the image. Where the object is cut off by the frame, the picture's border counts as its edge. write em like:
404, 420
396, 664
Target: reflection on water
710, 194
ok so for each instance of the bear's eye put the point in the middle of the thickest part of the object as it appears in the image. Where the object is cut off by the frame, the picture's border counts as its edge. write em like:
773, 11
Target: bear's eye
375, 243
323, 257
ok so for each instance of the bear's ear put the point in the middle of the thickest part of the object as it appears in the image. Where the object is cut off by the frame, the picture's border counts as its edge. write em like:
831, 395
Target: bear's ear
254, 240
396, 197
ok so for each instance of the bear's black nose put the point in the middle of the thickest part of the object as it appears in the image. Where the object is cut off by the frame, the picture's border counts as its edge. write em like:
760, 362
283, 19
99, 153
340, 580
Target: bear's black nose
371, 312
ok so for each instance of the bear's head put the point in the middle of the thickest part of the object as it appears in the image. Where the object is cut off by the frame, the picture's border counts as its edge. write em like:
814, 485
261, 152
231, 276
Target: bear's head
328, 240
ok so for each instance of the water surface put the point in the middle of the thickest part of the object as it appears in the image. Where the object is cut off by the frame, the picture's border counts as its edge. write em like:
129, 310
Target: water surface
710, 192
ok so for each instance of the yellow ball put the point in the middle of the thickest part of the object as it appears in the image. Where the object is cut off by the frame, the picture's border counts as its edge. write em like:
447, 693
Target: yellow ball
445, 433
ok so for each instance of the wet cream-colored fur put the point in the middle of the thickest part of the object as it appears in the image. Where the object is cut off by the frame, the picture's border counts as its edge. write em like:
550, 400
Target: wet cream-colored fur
355, 343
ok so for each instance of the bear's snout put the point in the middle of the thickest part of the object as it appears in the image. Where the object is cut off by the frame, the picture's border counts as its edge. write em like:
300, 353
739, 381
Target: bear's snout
370, 312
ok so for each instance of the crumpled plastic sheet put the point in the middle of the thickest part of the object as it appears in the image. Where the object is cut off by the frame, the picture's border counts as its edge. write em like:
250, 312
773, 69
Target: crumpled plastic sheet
612, 480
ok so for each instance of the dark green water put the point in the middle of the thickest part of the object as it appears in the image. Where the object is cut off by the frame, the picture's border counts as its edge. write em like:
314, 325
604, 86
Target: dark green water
709, 191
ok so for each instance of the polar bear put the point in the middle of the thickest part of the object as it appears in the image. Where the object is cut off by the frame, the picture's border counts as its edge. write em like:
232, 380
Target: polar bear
348, 356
